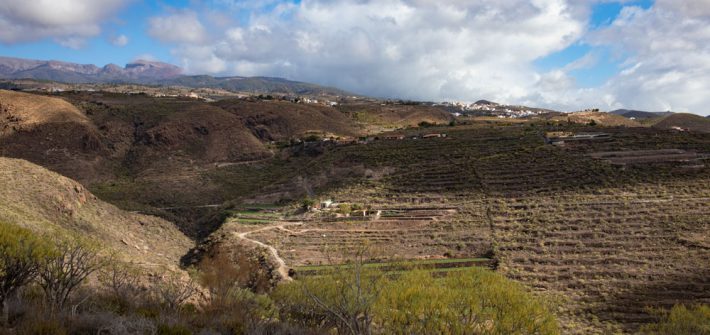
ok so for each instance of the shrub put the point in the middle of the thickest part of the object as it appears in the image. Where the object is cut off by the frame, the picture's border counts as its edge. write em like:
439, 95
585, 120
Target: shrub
21, 256
121, 281
473, 301
344, 298
353, 297
307, 203
174, 290
67, 268
681, 320
344, 208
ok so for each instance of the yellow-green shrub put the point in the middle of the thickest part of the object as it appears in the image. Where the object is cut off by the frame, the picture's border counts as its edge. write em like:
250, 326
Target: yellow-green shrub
681, 320
472, 301
21, 255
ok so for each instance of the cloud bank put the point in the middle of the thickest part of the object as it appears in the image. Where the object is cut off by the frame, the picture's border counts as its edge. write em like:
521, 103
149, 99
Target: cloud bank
69, 22
668, 67
463, 50
409, 49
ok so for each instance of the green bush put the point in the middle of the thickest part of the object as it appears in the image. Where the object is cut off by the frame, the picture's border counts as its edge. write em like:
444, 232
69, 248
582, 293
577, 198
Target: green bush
344, 208
681, 320
22, 254
473, 301
307, 203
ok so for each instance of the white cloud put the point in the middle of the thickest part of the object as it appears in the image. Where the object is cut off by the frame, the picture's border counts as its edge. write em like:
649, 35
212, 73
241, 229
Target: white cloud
668, 67
120, 41
462, 49
70, 22
179, 27
71, 42
146, 57
406, 48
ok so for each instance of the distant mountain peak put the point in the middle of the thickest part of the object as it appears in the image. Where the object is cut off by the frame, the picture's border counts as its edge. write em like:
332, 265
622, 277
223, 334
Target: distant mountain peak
142, 71
138, 71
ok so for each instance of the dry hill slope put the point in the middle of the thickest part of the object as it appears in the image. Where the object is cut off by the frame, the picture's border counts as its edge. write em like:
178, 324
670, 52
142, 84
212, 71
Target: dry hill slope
600, 118
279, 120
395, 116
49, 130
690, 122
46, 202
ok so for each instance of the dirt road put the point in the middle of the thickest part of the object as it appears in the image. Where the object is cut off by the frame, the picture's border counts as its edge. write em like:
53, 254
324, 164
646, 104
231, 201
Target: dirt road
282, 268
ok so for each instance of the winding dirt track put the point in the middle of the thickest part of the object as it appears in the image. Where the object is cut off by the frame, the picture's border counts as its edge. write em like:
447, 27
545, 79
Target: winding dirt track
282, 268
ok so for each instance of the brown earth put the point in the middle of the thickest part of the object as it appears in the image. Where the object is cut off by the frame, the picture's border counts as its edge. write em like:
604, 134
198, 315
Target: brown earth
691, 122
48, 203
52, 132
281, 120
599, 118
396, 116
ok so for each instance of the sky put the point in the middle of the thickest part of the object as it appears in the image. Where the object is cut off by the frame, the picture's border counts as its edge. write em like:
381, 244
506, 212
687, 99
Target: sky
563, 54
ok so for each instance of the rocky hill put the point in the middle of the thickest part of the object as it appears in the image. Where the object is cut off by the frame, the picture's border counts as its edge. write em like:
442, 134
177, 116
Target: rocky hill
138, 71
46, 202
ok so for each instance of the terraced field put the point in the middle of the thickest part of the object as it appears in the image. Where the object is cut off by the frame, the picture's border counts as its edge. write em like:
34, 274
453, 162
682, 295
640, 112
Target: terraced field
606, 241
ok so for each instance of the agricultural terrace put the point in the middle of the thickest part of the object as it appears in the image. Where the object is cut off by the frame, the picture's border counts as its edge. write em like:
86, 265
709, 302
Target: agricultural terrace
607, 241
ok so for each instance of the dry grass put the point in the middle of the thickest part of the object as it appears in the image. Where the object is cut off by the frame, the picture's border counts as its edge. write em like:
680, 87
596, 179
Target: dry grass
24, 111
48, 203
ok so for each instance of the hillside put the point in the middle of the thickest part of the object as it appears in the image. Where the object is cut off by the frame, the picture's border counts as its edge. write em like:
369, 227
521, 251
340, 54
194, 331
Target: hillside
690, 122
488, 194
101, 133
567, 221
599, 118
52, 132
396, 115
46, 202
279, 120
639, 115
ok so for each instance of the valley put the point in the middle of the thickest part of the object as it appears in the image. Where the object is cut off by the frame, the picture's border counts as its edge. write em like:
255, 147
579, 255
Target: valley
603, 226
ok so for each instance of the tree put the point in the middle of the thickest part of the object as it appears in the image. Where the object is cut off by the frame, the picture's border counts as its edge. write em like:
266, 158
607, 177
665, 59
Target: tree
681, 320
174, 290
122, 280
307, 204
65, 270
233, 308
220, 276
21, 255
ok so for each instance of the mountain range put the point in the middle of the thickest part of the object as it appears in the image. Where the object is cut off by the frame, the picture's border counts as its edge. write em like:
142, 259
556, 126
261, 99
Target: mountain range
152, 73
